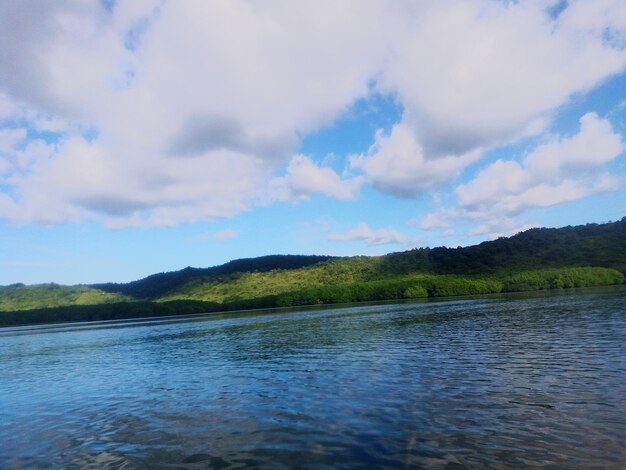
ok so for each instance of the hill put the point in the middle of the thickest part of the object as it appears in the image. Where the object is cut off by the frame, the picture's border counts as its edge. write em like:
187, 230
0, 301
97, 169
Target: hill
583, 245
158, 285
19, 296
541, 258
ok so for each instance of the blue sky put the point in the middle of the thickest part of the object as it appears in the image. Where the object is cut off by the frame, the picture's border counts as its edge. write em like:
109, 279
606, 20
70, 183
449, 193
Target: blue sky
141, 137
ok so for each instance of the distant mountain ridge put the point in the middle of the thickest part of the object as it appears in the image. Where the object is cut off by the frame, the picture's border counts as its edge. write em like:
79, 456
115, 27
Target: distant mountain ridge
583, 245
159, 284
539, 258
602, 245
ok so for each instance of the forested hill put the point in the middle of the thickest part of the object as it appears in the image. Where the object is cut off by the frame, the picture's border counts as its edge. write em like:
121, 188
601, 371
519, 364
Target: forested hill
541, 258
583, 245
157, 285
601, 245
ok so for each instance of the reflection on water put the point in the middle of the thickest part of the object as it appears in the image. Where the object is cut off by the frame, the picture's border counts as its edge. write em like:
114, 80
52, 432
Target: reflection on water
487, 383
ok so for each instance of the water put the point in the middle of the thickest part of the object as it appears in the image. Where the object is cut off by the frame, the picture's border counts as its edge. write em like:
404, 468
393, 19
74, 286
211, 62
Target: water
502, 383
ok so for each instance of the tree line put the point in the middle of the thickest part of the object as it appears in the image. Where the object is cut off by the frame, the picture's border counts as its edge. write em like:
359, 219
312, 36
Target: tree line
408, 287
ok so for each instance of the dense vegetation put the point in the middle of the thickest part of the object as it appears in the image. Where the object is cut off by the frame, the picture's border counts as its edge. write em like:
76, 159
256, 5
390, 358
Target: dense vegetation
560, 278
53, 295
158, 285
537, 259
407, 287
584, 245
113, 311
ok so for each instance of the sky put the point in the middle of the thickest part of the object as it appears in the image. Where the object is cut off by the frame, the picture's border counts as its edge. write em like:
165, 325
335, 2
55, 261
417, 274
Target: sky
147, 136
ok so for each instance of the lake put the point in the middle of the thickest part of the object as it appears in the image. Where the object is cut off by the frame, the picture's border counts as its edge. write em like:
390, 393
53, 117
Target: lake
503, 382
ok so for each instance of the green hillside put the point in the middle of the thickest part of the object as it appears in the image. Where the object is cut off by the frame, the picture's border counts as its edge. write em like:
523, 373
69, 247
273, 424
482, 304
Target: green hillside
159, 285
584, 245
254, 284
21, 297
588, 255
592, 245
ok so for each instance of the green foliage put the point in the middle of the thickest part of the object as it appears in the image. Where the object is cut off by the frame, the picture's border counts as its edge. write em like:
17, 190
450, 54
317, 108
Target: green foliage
585, 245
408, 287
451, 285
21, 297
589, 245
159, 285
415, 292
250, 285
561, 278
113, 311
388, 289
532, 260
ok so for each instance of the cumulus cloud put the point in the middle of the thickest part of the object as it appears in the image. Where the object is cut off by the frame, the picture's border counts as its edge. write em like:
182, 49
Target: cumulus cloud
305, 178
162, 112
442, 220
84, 181
474, 73
364, 232
187, 108
560, 170
396, 163
463, 96
10, 138
18, 154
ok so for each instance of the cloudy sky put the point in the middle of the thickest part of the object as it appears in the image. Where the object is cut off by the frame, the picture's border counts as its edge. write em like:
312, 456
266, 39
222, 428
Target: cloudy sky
146, 136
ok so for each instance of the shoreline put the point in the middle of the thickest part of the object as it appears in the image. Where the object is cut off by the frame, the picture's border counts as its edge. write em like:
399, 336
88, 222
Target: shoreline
182, 317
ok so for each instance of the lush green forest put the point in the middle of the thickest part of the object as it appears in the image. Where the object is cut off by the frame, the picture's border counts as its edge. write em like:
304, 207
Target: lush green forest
157, 285
537, 259
19, 296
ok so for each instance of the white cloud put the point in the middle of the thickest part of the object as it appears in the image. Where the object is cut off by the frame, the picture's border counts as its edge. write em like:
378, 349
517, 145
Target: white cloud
396, 163
170, 112
462, 96
595, 145
560, 170
383, 236
19, 154
5, 167
84, 181
563, 169
441, 220
7, 107
193, 104
500, 228
473, 73
304, 178
10, 139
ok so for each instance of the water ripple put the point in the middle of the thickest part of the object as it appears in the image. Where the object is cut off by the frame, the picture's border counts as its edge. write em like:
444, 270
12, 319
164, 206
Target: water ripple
493, 383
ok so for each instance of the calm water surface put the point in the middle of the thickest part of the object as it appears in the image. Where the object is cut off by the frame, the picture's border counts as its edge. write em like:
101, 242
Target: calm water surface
474, 383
